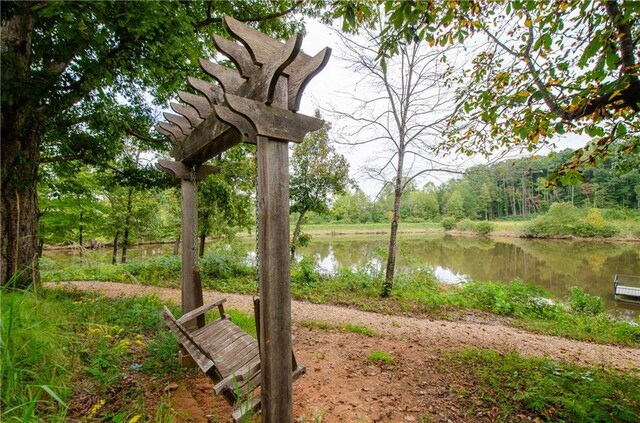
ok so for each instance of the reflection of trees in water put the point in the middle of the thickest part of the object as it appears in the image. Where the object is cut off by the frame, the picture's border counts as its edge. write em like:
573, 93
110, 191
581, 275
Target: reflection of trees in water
348, 253
555, 265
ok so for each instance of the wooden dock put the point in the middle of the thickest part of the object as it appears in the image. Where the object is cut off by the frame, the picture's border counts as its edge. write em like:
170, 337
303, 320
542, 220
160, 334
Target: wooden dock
626, 287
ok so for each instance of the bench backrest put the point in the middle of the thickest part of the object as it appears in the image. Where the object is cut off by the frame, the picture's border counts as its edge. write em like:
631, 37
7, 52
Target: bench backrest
201, 356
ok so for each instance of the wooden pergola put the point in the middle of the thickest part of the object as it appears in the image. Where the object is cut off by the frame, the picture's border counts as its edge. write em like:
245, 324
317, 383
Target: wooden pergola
255, 103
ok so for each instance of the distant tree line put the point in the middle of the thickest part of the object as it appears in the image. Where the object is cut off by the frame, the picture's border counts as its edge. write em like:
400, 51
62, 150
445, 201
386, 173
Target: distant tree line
518, 187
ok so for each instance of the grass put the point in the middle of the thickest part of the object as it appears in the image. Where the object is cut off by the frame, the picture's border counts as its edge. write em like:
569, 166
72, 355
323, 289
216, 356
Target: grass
543, 388
53, 340
369, 228
362, 330
380, 357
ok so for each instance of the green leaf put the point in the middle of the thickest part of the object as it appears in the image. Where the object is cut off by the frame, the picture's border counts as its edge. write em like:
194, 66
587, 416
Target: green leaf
53, 395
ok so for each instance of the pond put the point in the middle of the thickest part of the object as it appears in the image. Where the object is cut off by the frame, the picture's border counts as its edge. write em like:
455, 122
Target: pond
555, 265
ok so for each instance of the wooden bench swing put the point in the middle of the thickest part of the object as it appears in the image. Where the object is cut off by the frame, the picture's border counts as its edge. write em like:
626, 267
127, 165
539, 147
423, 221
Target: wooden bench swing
256, 103
227, 354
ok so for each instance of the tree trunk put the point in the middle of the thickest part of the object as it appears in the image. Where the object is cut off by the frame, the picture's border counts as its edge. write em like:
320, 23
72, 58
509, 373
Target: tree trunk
203, 239
114, 256
572, 190
21, 128
387, 285
296, 234
176, 246
80, 241
127, 223
524, 196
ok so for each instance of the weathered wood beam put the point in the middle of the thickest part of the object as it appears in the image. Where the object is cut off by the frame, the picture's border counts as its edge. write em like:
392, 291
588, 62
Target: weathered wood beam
228, 78
189, 177
180, 121
261, 47
274, 273
274, 122
212, 92
188, 112
300, 77
199, 147
238, 55
213, 136
237, 121
201, 104
178, 170
174, 130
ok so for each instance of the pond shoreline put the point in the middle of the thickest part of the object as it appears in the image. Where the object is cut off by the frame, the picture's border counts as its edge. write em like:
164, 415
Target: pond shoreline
362, 230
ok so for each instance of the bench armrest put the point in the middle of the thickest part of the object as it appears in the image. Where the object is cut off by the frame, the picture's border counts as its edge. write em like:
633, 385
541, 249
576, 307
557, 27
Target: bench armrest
203, 309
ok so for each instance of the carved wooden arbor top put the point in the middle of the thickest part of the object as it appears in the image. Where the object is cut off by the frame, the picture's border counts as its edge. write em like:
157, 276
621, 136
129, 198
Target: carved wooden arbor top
241, 105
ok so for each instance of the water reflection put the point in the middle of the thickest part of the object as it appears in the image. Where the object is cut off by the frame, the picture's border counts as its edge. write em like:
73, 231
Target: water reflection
554, 265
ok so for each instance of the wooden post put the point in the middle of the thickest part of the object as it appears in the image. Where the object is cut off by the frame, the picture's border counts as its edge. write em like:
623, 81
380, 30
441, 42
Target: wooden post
191, 297
191, 286
274, 275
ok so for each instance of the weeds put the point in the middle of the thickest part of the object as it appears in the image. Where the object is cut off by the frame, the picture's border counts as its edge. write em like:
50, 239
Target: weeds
52, 339
550, 390
380, 357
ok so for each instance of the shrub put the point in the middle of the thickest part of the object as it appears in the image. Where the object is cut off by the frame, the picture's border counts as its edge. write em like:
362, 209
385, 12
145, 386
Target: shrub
304, 273
484, 227
585, 304
157, 271
514, 299
224, 264
563, 219
448, 223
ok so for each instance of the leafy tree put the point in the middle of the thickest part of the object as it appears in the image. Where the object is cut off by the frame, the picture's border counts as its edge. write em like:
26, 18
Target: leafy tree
224, 199
546, 68
318, 173
455, 206
75, 78
355, 207
71, 208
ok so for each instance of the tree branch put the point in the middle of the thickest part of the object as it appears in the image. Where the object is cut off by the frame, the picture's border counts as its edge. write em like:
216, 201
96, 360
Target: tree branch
216, 20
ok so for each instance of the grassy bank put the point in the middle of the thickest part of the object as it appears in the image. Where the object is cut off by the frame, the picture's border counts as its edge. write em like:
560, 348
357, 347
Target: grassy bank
579, 316
537, 388
562, 221
82, 357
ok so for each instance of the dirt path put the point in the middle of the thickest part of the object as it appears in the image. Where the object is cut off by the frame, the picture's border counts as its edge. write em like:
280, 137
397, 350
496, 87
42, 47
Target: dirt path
437, 334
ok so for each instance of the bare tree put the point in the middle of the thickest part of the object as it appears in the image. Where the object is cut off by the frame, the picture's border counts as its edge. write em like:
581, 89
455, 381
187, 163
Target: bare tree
401, 107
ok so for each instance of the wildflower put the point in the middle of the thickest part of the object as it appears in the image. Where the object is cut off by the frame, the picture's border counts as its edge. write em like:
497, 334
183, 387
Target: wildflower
135, 418
122, 345
95, 409
139, 342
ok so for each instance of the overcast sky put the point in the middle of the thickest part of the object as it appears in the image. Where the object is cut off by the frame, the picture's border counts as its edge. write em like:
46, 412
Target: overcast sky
331, 88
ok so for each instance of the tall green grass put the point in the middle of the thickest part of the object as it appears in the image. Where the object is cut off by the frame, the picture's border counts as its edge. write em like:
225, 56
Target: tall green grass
35, 359
52, 339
